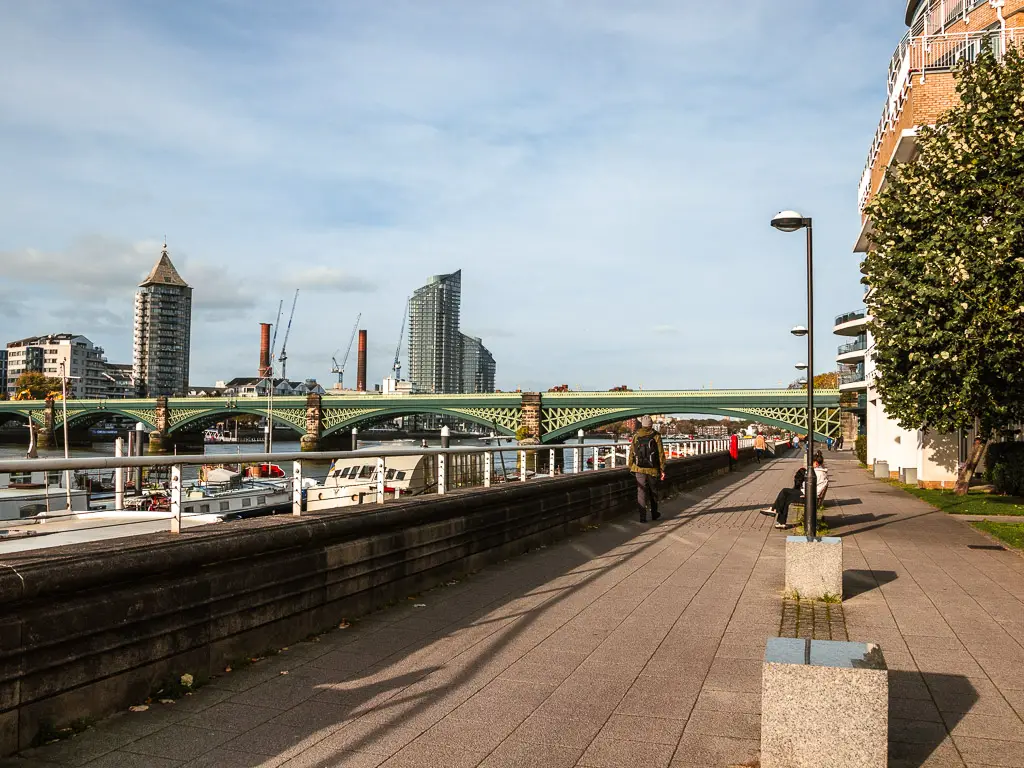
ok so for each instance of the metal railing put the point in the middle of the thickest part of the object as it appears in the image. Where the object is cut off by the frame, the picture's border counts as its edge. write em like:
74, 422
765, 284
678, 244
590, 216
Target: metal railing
447, 469
857, 314
917, 54
854, 346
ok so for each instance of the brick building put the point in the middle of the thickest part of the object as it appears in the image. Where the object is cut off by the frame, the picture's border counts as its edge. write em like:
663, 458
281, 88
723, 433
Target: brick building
941, 34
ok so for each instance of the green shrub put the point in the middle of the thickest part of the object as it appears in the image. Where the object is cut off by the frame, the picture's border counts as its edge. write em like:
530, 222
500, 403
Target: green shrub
1008, 475
1004, 467
1002, 453
861, 448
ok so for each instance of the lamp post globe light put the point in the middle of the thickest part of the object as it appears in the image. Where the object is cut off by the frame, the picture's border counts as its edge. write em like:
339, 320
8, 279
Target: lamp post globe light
791, 221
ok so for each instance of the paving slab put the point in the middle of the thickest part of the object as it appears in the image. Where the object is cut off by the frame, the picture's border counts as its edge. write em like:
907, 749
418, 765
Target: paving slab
630, 644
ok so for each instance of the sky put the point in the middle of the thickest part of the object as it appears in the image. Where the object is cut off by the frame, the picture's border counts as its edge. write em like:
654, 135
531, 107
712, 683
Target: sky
603, 173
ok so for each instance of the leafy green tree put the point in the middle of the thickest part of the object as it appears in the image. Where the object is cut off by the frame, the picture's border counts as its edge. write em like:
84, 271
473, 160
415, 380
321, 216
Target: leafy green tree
946, 267
36, 385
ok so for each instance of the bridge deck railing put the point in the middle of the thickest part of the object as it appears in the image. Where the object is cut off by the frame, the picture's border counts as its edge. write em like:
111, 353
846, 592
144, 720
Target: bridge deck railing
446, 469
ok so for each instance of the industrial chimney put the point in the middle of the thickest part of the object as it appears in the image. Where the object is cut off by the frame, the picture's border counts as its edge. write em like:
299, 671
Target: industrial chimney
361, 366
264, 369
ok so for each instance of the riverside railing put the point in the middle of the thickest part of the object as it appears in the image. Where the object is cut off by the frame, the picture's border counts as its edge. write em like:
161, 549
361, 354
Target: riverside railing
451, 468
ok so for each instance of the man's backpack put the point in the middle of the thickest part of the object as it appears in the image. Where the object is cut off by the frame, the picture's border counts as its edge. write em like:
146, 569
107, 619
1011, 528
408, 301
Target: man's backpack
645, 452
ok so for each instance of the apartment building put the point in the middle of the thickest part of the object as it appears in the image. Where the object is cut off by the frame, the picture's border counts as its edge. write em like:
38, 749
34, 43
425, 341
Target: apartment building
71, 354
163, 330
478, 368
940, 35
435, 361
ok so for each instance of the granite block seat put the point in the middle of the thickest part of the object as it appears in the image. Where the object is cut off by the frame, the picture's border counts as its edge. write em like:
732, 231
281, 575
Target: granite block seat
824, 703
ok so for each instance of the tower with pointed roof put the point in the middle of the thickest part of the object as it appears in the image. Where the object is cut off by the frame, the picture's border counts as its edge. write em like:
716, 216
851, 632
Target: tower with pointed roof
163, 330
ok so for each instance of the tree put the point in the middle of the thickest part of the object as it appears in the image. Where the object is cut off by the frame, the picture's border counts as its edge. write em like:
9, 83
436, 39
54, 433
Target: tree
946, 265
35, 386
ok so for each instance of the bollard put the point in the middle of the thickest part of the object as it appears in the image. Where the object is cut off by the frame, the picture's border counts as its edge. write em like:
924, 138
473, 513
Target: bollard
297, 488
176, 498
380, 479
488, 466
441, 473
119, 475
552, 464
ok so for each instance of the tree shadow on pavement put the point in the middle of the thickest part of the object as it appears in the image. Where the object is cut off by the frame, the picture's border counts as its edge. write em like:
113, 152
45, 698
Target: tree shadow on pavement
924, 707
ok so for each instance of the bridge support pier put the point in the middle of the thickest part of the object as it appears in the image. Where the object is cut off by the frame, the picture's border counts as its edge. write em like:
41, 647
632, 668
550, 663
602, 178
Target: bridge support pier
159, 439
311, 441
530, 414
45, 437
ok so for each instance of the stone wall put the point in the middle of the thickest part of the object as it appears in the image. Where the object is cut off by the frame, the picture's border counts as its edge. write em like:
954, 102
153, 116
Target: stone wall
89, 629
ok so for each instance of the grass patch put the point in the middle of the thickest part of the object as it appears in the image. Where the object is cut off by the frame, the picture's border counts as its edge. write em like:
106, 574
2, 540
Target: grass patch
976, 502
1011, 533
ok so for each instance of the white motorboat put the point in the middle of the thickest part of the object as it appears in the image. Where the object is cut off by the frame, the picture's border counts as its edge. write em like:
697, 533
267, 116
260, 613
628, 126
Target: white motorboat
25, 495
354, 481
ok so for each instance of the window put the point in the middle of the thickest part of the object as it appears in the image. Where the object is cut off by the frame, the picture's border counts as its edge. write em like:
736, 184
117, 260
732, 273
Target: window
189, 510
261, 500
247, 502
366, 471
204, 509
389, 475
400, 476
225, 506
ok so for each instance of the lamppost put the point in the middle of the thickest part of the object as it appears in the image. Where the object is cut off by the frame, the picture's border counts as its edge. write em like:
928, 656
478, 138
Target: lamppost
791, 221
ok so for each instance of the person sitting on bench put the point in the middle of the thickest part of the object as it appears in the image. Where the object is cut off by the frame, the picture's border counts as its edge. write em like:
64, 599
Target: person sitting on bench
787, 496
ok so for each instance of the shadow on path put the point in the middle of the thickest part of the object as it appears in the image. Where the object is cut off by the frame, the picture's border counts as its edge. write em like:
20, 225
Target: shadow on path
924, 707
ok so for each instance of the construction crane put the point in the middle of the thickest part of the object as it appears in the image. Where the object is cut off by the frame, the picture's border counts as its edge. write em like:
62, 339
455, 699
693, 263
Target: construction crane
273, 344
397, 366
340, 369
284, 344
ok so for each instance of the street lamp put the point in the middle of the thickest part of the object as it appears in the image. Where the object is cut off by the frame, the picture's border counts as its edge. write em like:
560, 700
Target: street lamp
791, 221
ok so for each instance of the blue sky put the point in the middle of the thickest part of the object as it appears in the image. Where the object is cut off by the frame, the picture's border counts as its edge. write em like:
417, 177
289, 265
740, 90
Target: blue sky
603, 172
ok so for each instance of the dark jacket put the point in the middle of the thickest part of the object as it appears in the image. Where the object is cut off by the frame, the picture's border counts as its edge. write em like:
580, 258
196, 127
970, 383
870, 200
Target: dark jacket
652, 471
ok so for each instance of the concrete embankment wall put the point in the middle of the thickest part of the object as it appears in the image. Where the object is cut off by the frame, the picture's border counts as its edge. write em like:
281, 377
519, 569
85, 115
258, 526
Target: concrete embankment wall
90, 629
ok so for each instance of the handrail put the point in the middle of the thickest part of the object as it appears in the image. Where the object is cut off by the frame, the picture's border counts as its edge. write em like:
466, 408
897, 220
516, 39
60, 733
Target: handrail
857, 314
853, 346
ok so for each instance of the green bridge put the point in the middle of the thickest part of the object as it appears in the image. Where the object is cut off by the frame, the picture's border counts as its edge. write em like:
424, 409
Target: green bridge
548, 417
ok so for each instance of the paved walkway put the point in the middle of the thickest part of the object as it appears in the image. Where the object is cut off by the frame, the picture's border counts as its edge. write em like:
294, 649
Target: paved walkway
629, 645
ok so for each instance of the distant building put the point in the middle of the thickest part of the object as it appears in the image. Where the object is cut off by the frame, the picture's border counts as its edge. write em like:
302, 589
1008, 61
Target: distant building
163, 330
393, 386
435, 361
252, 386
713, 430
51, 355
477, 366
3, 371
119, 381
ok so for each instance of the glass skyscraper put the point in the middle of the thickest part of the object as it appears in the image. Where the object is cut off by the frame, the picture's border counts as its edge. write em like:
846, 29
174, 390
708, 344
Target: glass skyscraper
435, 360
163, 331
477, 366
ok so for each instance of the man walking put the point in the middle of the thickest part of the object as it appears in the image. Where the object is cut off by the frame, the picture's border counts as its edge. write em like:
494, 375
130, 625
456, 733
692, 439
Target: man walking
759, 447
647, 463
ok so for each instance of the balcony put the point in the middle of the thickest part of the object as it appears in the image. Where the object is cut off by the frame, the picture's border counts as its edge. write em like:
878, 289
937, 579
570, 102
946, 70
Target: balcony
851, 323
921, 54
852, 377
853, 352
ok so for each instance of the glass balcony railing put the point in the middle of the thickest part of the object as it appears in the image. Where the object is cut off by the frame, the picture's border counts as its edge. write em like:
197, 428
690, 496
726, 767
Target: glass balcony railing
853, 376
857, 314
861, 342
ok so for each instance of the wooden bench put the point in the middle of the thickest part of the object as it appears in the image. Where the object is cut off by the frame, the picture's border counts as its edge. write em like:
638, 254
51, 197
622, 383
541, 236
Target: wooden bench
797, 517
